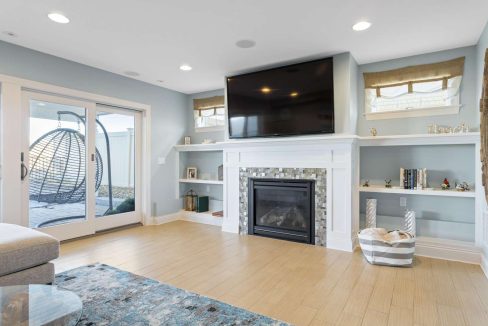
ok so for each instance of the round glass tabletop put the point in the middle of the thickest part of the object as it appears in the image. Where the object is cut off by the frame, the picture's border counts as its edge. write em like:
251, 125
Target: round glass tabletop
38, 305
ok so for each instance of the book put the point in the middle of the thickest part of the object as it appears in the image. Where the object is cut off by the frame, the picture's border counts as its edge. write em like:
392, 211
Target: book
402, 177
414, 179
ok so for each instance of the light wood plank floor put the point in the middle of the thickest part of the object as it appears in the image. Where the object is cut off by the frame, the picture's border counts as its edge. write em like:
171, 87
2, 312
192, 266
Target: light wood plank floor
300, 284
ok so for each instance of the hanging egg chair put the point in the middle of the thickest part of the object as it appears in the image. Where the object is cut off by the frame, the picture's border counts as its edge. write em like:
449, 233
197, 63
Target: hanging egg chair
58, 168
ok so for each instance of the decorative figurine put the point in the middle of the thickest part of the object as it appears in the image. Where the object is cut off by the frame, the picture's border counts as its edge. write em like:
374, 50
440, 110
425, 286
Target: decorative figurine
445, 184
366, 183
187, 140
373, 132
387, 183
463, 186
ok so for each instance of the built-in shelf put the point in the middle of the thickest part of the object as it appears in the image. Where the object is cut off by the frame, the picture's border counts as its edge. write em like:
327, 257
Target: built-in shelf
200, 147
204, 218
421, 139
209, 182
427, 192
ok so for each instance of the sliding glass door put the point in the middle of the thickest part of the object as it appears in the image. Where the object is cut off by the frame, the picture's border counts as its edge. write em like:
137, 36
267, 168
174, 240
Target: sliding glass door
79, 166
118, 141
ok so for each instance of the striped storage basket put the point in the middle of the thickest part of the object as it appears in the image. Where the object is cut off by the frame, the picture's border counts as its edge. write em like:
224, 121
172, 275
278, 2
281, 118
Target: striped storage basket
379, 250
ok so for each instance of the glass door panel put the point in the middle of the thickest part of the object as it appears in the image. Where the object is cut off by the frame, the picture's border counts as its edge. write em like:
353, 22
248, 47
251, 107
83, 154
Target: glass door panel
57, 164
117, 139
56, 167
115, 143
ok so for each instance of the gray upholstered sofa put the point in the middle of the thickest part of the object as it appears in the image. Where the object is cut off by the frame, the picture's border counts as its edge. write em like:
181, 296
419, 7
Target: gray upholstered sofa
25, 256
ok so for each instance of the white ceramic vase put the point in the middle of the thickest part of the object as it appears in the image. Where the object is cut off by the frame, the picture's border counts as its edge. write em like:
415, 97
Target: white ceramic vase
371, 213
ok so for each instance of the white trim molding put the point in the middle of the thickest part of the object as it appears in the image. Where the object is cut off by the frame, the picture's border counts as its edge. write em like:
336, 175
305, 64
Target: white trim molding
412, 113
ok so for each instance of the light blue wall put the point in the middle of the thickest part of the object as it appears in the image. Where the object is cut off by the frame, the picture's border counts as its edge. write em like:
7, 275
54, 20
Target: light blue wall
168, 107
469, 112
198, 137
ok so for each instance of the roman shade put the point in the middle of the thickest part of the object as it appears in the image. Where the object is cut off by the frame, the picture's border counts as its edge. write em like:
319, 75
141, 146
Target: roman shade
484, 126
414, 74
209, 103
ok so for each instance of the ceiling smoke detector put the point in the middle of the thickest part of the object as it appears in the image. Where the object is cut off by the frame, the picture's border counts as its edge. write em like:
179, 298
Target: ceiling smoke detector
245, 44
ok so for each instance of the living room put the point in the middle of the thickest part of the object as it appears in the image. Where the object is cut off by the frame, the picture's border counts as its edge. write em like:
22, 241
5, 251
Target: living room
259, 163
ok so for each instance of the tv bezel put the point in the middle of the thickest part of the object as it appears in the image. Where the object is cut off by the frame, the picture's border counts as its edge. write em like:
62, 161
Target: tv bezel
287, 134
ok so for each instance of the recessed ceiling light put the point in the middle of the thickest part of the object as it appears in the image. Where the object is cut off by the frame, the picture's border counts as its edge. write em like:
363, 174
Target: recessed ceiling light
294, 94
245, 44
131, 73
361, 26
9, 33
185, 67
266, 90
160, 81
58, 18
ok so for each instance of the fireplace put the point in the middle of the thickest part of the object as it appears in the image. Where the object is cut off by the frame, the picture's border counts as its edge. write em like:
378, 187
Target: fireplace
282, 208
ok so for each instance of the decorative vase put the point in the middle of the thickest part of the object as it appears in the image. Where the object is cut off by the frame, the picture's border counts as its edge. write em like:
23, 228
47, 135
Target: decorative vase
371, 213
410, 222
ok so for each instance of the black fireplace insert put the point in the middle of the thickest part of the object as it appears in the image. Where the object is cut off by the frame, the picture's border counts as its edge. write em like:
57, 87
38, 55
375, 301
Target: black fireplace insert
282, 208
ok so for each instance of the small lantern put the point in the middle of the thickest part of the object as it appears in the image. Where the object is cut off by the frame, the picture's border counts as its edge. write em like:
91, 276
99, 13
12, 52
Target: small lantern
191, 201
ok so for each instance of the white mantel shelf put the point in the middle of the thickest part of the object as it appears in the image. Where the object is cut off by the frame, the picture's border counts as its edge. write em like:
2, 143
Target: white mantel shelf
428, 192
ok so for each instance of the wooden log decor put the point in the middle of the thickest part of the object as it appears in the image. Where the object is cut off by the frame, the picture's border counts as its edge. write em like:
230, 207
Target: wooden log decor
484, 126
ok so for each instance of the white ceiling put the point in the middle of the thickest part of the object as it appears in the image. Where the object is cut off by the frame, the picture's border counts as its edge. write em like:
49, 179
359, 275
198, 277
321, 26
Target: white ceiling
154, 37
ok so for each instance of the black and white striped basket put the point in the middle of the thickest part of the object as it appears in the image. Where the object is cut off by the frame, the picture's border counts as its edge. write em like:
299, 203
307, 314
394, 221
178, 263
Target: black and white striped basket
395, 253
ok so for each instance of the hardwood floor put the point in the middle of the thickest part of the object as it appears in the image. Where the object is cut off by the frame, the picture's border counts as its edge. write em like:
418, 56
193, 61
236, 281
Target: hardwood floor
296, 283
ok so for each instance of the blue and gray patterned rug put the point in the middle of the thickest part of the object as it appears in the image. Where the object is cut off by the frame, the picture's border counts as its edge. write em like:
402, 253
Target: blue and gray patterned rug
114, 297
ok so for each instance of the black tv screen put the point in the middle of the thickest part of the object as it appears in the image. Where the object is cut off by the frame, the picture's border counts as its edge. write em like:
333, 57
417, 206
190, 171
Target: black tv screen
292, 100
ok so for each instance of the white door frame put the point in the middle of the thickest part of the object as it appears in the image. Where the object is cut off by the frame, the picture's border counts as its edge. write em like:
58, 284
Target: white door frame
11, 146
72, 229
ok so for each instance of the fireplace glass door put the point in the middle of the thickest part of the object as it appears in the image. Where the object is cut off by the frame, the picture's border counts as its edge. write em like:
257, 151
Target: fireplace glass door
281, 208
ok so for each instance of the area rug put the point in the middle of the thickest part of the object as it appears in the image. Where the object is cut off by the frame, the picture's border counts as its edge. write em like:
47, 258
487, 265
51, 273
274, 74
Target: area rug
114, 297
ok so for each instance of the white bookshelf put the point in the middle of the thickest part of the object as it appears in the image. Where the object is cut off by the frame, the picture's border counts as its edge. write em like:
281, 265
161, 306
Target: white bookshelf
206, 158
449, 222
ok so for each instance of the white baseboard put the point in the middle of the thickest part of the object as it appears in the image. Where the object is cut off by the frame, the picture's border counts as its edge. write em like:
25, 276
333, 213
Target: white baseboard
484, 260
465, 252
202, 218
167, 218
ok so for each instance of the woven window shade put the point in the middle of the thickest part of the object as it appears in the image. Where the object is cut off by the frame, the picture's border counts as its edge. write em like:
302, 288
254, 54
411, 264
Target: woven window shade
208, 103
484, 126
412, 74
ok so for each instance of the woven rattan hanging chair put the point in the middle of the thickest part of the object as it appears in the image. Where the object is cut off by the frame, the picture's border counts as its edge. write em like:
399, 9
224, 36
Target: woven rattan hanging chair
57, 167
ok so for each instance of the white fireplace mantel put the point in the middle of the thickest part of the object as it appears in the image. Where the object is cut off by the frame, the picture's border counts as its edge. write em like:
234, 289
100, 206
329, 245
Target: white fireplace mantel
337, 154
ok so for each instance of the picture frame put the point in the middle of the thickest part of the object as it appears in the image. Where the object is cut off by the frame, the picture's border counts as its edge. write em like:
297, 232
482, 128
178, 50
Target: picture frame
187, 140
191, 173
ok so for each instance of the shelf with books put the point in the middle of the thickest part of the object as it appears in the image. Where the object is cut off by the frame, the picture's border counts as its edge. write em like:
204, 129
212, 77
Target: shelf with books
427, 192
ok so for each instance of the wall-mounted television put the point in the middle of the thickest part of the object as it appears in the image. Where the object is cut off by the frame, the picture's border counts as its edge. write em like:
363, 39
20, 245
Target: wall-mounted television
292, 100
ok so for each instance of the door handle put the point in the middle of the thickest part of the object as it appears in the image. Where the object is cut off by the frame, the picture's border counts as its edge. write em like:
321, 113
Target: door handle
23, 168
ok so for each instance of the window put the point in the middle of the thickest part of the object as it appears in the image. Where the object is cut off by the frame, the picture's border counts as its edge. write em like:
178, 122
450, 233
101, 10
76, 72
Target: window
209, 113
423, 90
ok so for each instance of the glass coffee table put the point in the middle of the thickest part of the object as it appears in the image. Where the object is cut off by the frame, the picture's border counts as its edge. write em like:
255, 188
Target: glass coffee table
33, 305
